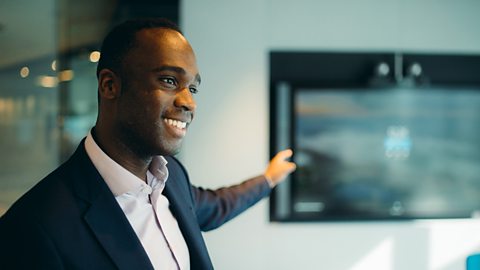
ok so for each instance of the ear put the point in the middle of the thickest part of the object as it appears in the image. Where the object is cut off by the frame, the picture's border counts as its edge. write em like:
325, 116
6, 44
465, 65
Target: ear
109, 85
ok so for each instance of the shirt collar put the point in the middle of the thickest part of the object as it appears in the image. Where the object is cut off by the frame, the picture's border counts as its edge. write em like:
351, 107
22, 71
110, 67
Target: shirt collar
119, 179
157, 173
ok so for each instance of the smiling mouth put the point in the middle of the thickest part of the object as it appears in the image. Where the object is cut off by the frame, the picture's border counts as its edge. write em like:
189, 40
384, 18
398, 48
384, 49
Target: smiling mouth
175, 123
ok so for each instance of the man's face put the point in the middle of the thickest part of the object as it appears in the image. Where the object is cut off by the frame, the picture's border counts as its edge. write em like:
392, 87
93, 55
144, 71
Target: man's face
156, 105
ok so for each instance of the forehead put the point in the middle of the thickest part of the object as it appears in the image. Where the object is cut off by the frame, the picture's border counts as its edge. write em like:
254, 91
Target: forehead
162, 46
161, 34
162, 40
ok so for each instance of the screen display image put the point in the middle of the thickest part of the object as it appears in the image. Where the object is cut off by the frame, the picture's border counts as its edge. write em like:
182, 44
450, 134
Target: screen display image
386, 153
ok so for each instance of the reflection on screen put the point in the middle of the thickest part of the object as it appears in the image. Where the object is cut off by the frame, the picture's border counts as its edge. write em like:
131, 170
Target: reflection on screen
405, 153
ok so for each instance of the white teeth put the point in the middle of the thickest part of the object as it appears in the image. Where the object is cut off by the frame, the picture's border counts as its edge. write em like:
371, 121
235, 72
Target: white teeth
176, 123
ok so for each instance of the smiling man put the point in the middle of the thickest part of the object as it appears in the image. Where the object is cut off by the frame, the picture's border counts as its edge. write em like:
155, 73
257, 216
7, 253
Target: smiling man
122, 201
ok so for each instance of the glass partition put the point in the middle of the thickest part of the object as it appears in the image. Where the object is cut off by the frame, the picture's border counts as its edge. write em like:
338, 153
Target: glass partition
28, 96
48, 86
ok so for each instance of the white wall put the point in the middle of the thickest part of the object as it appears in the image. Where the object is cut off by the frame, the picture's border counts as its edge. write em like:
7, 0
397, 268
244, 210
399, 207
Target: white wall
229, 138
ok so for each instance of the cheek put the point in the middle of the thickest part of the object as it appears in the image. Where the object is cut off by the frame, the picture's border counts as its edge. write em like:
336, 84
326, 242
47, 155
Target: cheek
152, 112
133, 114
146, 108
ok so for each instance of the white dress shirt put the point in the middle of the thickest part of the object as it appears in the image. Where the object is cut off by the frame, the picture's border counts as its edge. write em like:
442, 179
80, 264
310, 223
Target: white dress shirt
145, 207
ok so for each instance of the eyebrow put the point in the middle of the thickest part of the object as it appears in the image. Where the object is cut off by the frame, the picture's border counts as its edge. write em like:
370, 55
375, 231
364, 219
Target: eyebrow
177, 70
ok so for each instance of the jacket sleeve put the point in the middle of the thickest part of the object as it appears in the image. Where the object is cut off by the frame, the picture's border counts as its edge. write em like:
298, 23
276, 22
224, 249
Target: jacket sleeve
215, 207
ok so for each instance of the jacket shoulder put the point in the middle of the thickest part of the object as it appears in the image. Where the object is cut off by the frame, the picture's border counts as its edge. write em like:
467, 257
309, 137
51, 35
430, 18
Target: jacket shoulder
52, 192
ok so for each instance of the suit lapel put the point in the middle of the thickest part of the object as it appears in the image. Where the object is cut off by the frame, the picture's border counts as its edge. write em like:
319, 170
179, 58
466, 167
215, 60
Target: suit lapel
105, 217
178, 193
115, 234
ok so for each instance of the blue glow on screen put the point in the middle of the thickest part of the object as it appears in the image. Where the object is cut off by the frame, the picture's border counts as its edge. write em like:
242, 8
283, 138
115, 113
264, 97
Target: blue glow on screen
388, 152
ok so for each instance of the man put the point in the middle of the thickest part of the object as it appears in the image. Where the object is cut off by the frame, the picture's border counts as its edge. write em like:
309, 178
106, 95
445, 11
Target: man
110, 205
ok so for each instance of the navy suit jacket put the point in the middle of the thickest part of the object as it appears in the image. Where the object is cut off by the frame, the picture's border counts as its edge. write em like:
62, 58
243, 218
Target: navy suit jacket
71, 220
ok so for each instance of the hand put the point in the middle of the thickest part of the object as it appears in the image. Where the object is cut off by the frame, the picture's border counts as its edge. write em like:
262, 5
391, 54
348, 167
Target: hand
279, 168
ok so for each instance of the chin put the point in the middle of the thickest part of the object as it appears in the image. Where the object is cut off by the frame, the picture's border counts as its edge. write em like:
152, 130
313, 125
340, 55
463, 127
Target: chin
170, 150
174, 152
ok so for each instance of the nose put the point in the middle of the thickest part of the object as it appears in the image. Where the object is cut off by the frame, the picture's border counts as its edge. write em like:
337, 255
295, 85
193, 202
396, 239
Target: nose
184, 99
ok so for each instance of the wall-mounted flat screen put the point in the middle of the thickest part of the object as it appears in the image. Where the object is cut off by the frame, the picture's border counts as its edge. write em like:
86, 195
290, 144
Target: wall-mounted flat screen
376, 136
383, 153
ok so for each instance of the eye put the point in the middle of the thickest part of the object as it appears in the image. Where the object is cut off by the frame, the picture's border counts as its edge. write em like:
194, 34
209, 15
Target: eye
169, 81
193, 90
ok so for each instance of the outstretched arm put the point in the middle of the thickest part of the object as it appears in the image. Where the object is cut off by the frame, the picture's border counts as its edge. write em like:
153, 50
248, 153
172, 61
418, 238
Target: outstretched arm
215, 207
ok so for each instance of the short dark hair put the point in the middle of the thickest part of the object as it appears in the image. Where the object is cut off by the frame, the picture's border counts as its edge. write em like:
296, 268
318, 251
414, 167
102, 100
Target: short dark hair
121, 39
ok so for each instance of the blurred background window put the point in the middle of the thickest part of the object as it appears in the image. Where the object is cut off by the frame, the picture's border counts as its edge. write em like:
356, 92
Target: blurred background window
48, 86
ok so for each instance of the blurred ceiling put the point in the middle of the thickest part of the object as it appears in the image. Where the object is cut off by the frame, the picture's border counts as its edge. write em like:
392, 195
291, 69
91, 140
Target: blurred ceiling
31, 30
23, 33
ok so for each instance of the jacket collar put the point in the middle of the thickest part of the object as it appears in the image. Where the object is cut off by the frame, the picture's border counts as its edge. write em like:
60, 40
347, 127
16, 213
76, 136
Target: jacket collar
112, 229
104, 216
182, 206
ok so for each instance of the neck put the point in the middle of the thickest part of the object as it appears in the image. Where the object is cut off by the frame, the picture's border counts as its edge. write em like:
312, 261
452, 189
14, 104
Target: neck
121, 153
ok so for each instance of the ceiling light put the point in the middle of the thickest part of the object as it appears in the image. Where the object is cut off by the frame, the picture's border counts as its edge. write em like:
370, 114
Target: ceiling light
24, 72
94, 56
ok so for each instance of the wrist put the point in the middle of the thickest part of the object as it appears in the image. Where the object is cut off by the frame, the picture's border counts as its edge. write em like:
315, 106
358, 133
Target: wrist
269, 181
